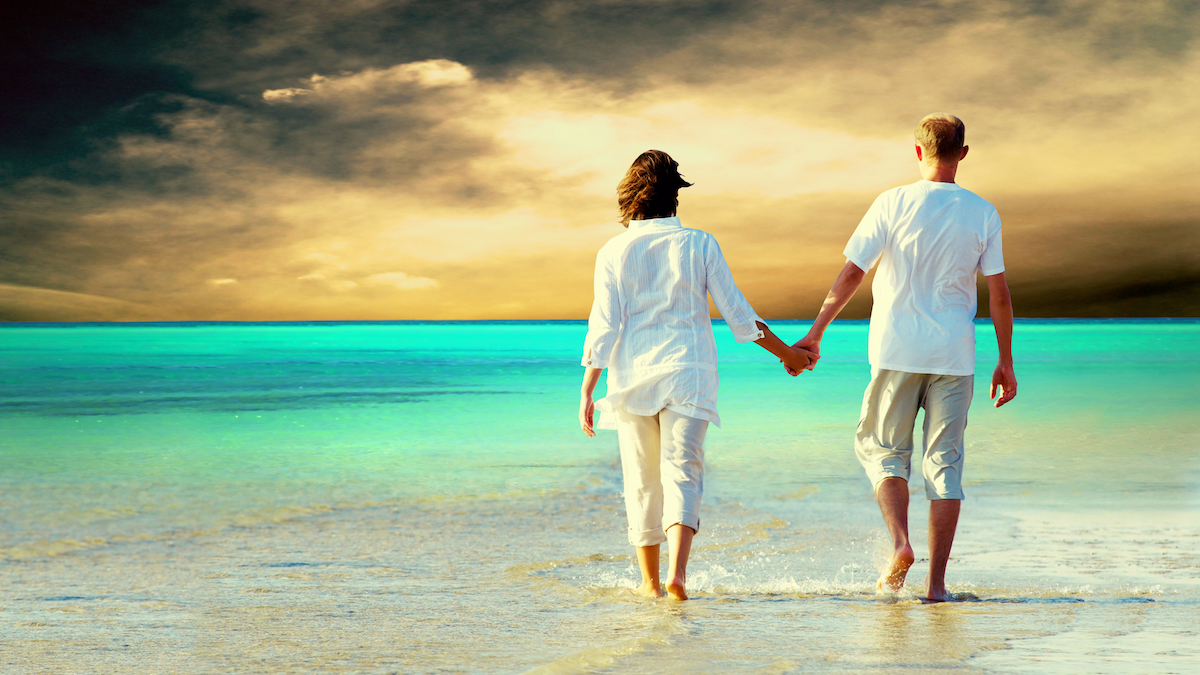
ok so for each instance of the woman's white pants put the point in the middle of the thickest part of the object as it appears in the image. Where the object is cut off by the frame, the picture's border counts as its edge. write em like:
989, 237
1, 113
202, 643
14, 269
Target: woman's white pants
662, 459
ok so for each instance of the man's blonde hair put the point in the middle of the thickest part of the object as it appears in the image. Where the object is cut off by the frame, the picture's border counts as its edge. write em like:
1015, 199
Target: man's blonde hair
943, 136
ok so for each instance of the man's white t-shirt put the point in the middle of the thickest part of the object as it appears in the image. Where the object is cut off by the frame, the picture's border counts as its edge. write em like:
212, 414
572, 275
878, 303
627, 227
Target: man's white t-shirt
929, 239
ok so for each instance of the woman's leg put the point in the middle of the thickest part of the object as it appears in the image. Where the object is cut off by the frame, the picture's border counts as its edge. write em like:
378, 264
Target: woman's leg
679, 538
640, 448
647, 557
682, 442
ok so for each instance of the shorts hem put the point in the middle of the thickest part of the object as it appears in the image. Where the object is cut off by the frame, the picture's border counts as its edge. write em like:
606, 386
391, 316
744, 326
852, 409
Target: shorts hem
879, 477
935, 497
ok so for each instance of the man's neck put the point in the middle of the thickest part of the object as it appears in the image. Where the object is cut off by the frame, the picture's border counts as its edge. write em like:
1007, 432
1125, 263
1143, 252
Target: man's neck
939, 173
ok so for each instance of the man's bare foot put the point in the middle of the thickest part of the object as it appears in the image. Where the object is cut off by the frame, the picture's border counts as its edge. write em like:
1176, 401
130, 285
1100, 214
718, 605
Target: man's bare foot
892, 580
939, 594
650, 590
676, 590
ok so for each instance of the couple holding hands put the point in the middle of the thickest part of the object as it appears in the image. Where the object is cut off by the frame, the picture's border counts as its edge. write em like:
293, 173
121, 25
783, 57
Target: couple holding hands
650, 327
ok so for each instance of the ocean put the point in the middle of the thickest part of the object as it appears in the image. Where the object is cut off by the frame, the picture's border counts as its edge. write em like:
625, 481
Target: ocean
417, 498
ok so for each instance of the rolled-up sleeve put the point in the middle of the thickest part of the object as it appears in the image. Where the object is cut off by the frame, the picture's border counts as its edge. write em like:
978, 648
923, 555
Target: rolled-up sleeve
604, 322
730, 302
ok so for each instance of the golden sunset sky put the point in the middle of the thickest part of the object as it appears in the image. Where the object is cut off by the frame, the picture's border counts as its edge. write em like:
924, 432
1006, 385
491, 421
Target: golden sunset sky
374, 159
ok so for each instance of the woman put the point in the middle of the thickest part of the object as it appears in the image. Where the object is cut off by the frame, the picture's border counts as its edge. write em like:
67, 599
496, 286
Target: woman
650, 327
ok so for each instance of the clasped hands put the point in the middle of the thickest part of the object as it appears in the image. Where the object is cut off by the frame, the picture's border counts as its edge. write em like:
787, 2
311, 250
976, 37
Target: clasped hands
804, 355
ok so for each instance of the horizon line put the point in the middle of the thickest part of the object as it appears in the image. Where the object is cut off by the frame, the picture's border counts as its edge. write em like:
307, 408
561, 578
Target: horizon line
303, 322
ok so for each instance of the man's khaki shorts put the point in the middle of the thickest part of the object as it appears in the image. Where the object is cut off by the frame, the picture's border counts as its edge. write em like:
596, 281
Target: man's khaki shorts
884, 442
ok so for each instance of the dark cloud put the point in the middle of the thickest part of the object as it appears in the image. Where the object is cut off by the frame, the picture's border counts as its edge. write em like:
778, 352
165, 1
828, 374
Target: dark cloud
66, 65
78, 73
75, 73
1095, 255
495, 37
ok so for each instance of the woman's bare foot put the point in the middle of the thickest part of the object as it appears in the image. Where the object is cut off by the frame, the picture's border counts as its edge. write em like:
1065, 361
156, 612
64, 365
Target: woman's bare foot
893, 579
650, 590
676, 590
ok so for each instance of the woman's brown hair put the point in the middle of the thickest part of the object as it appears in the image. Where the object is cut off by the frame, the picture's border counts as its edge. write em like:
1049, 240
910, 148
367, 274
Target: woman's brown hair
650, 189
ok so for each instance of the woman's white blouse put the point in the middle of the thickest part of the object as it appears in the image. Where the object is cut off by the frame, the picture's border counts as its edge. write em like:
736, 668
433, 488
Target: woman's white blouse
649, 324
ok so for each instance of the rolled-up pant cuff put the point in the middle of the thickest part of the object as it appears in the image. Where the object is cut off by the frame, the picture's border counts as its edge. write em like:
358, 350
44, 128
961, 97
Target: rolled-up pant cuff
692, 520
647, 537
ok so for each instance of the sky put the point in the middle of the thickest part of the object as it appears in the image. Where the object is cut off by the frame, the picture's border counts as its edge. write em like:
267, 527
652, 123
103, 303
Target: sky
262, 160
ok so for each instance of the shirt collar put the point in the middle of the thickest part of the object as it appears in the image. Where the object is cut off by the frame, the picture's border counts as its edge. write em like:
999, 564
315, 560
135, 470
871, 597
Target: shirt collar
940, 185
672, 221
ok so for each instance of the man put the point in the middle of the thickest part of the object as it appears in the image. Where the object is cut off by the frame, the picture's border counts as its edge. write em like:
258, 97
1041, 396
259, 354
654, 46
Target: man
929, 238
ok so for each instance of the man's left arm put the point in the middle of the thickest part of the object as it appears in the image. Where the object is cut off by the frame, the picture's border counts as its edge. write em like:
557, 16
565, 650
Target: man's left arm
1000, 308
844, 287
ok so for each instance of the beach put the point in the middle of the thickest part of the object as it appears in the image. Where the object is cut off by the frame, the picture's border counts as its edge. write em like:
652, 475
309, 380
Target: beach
417, 497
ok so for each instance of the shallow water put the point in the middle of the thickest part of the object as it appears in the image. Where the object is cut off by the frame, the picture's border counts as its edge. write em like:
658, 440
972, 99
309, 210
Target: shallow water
417, 498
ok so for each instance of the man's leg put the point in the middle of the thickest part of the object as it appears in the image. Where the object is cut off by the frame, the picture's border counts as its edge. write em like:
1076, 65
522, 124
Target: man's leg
638, 437
947, 402
892, 496
883, 445
943, 520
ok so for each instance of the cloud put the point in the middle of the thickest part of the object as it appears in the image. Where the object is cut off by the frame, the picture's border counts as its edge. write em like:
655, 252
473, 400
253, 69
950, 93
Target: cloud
283, 95
337, 285
375, 82
401, 280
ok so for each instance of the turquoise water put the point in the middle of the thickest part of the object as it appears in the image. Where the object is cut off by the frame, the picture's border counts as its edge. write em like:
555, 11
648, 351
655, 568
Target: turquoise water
416, 497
